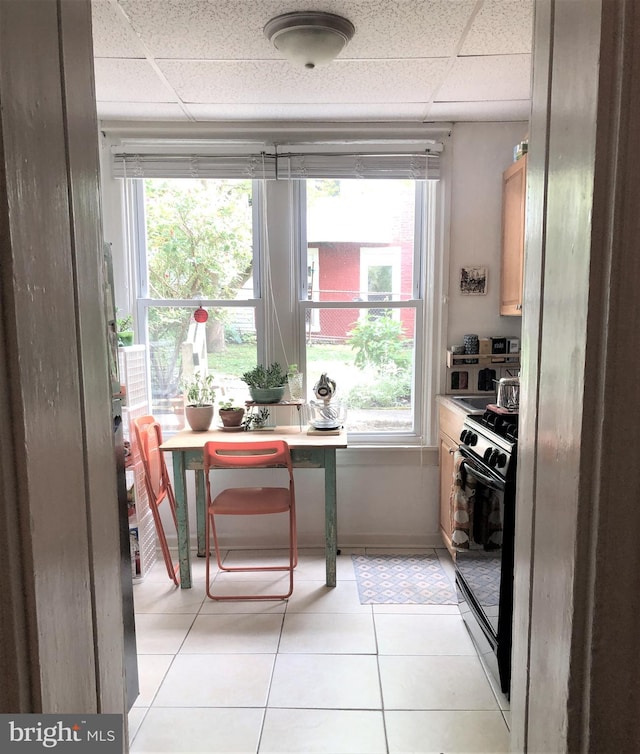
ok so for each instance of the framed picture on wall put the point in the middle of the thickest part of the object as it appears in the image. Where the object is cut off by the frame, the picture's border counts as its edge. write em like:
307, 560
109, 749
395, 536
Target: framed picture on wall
473, 281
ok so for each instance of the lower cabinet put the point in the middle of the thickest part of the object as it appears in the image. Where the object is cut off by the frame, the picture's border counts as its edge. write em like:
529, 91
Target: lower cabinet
451, 421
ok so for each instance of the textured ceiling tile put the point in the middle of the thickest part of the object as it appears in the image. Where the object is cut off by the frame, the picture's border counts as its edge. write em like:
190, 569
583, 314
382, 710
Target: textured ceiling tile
501, 27
129, 81
277, 82
232, 29
503, 110
112, 35
140, 111
328, 112
494, 77
204, 29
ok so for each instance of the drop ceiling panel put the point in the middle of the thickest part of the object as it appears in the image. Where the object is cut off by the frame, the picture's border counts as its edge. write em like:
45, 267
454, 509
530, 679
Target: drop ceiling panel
120, 80
232, 29
501, 27
278, 82
322, 112
113, 37
408, 60
494, 77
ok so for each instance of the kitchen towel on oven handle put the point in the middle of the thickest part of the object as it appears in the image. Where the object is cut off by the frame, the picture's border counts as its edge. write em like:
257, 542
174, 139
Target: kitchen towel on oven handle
461, 503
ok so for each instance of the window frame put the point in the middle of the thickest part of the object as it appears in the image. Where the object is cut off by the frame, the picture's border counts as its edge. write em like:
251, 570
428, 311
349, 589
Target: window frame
428, 295
142, 302
424, 247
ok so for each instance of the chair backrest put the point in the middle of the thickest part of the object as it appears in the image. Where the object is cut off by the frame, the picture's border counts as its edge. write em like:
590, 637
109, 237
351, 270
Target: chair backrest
247, 455
149, 439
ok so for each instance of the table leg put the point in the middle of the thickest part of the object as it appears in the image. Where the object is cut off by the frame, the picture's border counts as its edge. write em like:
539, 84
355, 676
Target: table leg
182, 516
330, 514
200, 516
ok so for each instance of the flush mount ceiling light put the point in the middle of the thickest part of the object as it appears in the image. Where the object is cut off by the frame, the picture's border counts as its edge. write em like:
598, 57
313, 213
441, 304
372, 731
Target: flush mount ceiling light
309, 38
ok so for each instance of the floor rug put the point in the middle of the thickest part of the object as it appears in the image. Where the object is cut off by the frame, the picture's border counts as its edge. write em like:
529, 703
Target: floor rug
402, 580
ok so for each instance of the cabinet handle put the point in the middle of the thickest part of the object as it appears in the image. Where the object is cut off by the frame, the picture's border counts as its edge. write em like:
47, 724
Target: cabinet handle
452, 451
519, 307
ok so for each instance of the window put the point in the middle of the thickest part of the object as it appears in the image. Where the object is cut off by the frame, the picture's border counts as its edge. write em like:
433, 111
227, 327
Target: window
364, 238
196, 248
349, 290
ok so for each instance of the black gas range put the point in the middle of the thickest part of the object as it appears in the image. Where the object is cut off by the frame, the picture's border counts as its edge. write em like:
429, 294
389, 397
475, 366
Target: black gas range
484, 553
491, 440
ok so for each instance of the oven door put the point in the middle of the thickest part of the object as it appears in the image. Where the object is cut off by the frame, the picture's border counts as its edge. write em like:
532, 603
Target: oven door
484, 572
480, 566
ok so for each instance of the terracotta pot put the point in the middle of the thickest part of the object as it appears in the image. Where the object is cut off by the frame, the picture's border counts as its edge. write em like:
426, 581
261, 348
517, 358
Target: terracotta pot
231, 417
199, 417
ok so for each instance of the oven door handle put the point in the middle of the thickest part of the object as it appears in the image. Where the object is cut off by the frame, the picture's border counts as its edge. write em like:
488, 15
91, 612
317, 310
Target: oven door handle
486, 477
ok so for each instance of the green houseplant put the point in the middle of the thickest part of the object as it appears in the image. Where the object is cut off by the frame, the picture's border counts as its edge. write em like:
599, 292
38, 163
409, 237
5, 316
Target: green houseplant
266, 384
230, 414
200, 396
125, 330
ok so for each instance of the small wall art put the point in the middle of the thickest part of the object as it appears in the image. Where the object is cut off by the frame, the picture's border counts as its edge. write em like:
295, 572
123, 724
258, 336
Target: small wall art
473, 281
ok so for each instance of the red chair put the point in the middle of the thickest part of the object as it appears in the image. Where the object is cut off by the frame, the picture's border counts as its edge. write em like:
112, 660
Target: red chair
149, 439
249, 501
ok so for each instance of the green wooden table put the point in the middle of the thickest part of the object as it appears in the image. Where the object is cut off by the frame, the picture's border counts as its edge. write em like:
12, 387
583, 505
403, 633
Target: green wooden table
308, 451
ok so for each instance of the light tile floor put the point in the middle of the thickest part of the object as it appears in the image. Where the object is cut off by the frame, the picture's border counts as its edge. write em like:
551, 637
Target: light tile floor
318, 673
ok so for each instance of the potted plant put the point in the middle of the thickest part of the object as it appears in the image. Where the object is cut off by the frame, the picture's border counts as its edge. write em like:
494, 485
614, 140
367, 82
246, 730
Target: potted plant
230, 414
125, 331
256, 420
266, 384
200, 397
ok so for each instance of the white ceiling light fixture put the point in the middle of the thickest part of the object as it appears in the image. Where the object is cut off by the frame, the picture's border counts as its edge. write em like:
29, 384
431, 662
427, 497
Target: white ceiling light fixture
309, 38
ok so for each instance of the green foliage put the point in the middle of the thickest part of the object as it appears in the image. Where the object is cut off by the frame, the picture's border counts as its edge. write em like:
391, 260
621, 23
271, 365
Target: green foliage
125, 323
200, 390
263, 377
229, 406
393, 391
379, 342
199, 246
199, 238
256, 419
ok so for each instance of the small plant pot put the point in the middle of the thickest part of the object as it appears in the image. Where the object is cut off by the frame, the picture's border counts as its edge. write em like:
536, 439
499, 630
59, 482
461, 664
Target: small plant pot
199, 418
231, 417
266, 394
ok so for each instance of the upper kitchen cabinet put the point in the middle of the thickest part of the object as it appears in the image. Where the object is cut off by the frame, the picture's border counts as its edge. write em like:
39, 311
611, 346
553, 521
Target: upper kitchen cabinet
514, 181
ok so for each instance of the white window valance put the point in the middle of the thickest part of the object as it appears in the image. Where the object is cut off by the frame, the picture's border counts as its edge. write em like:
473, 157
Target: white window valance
417, 166
275, 163
144, 165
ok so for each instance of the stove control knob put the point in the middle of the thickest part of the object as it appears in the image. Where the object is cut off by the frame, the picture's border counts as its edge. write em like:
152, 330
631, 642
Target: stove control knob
463, 436
473, 438
486, 457
502, 460
494, 455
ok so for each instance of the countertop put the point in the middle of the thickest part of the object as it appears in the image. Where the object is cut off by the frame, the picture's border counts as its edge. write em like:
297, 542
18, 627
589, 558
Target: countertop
456, 402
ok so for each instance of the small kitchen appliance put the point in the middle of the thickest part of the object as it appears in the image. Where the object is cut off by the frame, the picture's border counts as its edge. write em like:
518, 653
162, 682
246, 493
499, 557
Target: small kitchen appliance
328, 412
508, 393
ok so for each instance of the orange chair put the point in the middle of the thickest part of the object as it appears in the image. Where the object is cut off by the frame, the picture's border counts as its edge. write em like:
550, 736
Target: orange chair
149, 439
249, 501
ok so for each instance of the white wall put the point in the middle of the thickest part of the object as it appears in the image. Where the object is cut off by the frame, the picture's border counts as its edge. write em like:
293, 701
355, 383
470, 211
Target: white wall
386, 497
389, 497
480, 152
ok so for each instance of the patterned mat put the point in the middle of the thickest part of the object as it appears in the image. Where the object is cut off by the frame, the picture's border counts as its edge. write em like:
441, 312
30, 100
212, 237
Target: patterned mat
402, 579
